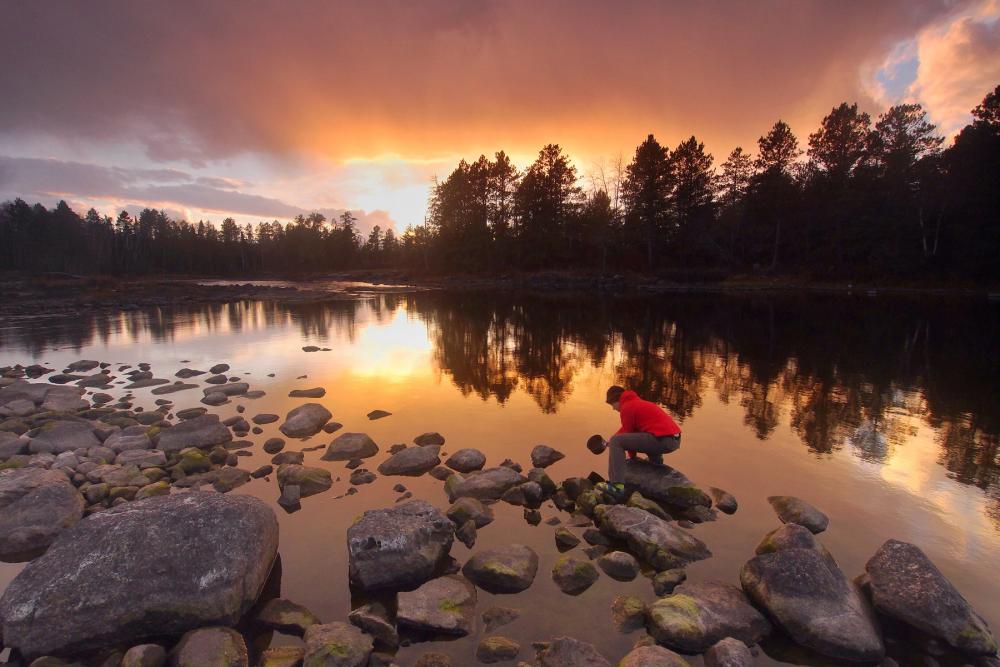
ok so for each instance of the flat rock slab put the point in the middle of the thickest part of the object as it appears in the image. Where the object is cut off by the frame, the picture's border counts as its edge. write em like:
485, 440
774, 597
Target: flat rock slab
659, 543
795, 510
315, 392
445, 605
907, 586
814, 603
569, 652
202, 431
429, 438
664, 484
398, 547
121, 576
337, 645
698, 615
411, 462
305, 420
489, 484
57, 437
228, 389
35, 506
173, 388
506, 569
348, 446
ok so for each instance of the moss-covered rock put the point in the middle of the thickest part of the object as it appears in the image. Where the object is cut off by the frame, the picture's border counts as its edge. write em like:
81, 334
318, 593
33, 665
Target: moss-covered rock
573, 576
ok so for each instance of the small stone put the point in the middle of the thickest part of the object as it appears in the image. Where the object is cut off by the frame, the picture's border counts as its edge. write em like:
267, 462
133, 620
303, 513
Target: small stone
495, 617
497, 649
282, 656
378, 414
466, 533
262, 471
795, 510
619, 565
444, 605
665, 582
565, 539
729, 652
374, 619
315, 392
431, 438
506, 569
464, 509
628, 613
274, 445
216, 646
543, 456
144, 655
573, 576
724, 501
337, 645
285, 616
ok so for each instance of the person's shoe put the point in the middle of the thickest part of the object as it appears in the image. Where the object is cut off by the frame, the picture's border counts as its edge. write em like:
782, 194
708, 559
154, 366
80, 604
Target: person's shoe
613, 490
656, 458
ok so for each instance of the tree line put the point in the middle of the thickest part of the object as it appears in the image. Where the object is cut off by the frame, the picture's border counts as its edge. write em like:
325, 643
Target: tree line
861, 199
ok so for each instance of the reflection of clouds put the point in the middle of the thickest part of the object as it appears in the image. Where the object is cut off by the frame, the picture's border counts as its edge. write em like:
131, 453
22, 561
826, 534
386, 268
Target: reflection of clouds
393, 350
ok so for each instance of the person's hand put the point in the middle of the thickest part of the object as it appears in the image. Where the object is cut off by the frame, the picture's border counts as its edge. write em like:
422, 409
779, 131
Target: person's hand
597, 444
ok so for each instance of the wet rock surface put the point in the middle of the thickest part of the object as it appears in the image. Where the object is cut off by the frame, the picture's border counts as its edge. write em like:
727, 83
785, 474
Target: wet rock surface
654, 541
445, 605
35, 506
229, 545
653, 656
336, 645
305, 420
664, 484
697, 615
795, 510
412, 461
489, 484
570, 652
506, 569
573, 576
349, 446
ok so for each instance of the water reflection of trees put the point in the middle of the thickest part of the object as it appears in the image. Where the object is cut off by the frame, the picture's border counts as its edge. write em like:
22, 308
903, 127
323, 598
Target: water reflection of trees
841, 372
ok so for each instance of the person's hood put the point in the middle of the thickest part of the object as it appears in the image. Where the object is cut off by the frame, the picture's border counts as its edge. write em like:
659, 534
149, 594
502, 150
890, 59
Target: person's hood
628, 395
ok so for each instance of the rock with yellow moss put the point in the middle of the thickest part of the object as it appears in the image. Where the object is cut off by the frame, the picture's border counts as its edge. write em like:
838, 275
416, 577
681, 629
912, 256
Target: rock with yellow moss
699, 614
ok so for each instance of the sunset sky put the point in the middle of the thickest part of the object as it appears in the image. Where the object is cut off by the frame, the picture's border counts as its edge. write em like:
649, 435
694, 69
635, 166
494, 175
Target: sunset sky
265, 109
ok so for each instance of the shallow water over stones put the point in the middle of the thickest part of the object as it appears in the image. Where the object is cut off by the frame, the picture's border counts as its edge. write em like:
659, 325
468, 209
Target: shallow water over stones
880, 444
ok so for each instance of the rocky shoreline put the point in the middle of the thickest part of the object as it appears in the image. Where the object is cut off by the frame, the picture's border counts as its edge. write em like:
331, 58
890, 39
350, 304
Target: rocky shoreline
96, 494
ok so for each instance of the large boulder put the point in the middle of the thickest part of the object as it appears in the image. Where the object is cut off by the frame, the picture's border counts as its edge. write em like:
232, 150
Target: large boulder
700, 614
506, 569
445, 605
152, 568
664, 484
795, 510
305, 420
202, 431
805, 593
412, 461
56, 437
489, 484
348, 446
907, 586
569, 652
35, 506
398, 547
336, 645
659, 543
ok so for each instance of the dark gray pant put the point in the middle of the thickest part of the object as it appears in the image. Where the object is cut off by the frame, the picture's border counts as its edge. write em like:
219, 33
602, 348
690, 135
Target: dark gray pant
646, 443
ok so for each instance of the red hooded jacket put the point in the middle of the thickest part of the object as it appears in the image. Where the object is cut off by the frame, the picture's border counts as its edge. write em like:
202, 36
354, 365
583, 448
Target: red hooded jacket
639, 416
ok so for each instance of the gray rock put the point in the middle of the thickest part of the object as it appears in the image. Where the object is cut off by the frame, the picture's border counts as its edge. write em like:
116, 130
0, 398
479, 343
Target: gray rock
128, 439
310, 480
412, 462
142, 458
569, 652
489, 484
315, 392
374, 619
795, 510
572, 575
347, 446
274, 445
173, 388
305, 420
665, 582
215, 646
147, 382
218, 368
262, 471
378, 414
83, 365
495, 617
203, 431
565, 539
56, 437
430, 438
288, 457
652, 656
466, 460
907, 586
466, 509
398, 547
619, 565
628, 613
724, 501
467, 533
664, 484
145, 655
264, 418
656, 542
282, 656
337, 645
11, 444
698, 615
285, 616
728, 652
35, 506
542, 456
215, 398
229, 478
191, 413
506, 569
229, 543
445, 605
814, 603
186, 373
229, 389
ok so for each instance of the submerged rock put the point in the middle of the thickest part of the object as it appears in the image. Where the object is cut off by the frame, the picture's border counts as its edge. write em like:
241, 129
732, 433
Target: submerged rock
398, 547
445, 605
506, 569
495, 617
466, 509
698, 615
412, 461
305, 420
795, 510
229, 543
347, 446
655, 541
336, 645
497, 649
805, 593
35, 506
569, 652
906, 585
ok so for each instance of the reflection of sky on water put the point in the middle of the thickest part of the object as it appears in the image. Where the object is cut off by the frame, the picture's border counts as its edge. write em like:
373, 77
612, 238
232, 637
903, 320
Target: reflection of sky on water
759, 419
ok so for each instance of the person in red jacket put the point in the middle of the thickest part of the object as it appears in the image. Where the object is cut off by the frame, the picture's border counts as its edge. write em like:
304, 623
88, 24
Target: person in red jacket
646, 428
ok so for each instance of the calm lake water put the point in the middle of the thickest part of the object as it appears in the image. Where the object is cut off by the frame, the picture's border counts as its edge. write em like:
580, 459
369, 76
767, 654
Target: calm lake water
884, 413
